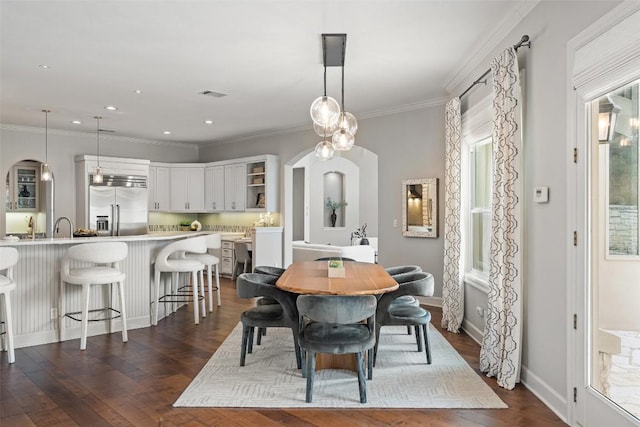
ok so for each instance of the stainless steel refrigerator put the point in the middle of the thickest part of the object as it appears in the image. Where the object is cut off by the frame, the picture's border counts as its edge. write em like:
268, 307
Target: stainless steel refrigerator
118, 206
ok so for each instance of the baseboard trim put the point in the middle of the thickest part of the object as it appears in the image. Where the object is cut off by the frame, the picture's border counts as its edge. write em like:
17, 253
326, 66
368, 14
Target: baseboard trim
552, 399
432, 301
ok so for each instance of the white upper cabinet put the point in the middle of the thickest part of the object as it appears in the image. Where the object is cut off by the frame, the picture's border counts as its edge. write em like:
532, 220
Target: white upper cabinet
235, 179
214, 188
22, 188
187, 189
159, 183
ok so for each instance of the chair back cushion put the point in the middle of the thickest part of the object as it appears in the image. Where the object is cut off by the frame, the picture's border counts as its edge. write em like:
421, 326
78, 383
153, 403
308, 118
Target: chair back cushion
213, 241
403, 269
99, 252
249, 285
192, 244
336, 308
241, 252
8, 258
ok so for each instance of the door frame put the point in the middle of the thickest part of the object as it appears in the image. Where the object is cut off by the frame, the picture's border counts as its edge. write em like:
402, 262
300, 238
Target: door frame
590, 73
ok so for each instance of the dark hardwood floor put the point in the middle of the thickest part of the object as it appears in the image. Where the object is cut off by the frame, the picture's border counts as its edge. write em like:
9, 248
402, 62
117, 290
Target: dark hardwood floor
135, 384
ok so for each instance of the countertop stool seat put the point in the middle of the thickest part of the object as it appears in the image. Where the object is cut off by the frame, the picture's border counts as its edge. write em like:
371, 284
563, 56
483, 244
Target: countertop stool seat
8, 258
210, 262
172, 259
91, 264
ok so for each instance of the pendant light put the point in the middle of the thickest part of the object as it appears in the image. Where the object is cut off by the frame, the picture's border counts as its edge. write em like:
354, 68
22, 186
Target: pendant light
325, 110
97, 176
324, 150
45, 172
343, 139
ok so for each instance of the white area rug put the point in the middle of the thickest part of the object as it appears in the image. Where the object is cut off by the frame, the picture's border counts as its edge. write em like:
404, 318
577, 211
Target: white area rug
401, 378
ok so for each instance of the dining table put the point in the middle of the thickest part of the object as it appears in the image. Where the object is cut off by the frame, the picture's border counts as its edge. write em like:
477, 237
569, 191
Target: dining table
360, 278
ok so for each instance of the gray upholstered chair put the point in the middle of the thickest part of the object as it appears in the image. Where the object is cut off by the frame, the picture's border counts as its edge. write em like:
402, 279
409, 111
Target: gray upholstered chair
329, 258
242, 257
272, 271
397, 273
284, 314
333, 324
388, 313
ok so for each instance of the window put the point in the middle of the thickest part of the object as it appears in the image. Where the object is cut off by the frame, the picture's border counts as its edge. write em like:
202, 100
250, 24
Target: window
479, 217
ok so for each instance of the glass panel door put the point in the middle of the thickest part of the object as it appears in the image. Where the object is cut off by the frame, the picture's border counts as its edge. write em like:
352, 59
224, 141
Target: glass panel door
613, 362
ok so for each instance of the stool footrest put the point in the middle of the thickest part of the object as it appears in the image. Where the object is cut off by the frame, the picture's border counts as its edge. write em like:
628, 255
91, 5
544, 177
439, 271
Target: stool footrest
113, 310
184, 298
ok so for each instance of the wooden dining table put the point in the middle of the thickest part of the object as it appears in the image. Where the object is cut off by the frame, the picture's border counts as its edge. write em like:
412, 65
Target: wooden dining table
360, 278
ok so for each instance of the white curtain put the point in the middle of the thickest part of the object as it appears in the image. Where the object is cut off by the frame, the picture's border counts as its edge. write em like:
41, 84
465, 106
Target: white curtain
502, 342
453, 274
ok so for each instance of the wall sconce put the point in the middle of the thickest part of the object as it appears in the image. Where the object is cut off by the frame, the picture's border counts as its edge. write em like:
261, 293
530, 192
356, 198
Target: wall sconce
607, 116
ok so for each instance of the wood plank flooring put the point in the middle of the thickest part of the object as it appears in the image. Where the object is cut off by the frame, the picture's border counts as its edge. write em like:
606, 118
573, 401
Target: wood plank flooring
135, 384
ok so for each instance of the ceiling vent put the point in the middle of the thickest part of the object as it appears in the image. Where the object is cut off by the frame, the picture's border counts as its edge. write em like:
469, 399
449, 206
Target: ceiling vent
212, 93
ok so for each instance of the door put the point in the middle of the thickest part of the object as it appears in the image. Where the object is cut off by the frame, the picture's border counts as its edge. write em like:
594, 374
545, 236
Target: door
214, 189
234, 186
609, 384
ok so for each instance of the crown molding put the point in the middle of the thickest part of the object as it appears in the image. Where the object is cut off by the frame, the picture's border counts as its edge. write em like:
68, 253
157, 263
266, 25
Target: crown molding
505, 27
103, 136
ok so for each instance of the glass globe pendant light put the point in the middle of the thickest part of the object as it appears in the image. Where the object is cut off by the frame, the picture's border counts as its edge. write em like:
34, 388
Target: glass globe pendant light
45, 172
325, 110
97, 176
325, 150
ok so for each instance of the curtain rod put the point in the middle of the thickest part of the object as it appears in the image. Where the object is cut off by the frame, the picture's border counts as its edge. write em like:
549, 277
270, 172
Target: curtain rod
524, 41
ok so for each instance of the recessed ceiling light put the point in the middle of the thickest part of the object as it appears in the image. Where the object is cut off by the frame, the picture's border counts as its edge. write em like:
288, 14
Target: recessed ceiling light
167, 132
138, 91
208, 122
44, 66
76, 122
110, 108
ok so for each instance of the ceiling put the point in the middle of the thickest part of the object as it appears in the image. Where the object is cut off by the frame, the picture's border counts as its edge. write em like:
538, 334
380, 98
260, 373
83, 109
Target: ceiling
265, 55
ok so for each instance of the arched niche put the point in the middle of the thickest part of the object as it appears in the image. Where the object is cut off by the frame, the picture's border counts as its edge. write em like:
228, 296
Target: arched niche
304, 211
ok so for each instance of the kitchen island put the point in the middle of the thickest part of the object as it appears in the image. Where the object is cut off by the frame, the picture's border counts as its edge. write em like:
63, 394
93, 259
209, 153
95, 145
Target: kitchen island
37, 274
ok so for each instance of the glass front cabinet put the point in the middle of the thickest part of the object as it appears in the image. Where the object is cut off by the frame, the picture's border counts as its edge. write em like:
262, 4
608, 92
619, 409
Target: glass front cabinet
22, 188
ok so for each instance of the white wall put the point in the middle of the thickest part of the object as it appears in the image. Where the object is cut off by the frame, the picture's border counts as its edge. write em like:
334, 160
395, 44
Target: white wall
546, 321
19, 143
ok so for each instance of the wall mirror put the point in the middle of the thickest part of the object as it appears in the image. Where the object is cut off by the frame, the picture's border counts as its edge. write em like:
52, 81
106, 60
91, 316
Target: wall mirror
420, 207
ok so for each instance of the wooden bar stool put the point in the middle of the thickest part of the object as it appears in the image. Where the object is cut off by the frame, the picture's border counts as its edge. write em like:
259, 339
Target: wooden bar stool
172, 259
8, 258
91, 264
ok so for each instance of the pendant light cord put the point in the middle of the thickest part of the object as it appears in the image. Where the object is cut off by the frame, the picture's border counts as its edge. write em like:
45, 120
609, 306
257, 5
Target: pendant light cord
98, 138
46, 136
343, 88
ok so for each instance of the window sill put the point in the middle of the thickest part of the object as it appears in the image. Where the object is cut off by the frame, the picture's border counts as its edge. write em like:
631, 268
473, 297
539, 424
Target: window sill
477, 282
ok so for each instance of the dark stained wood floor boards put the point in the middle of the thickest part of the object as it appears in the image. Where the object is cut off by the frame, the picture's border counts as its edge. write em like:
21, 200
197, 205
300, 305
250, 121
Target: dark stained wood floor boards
135, 384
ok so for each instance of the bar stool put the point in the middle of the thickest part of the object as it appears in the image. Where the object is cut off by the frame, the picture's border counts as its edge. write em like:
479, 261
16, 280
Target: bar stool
93, 264
8, 258
171, 259
210, 262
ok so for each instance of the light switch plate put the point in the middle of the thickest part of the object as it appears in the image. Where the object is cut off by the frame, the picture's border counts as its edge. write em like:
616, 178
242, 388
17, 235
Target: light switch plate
541, 195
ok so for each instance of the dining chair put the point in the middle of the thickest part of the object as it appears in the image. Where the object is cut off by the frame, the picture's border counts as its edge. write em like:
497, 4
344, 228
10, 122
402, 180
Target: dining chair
337, 324
242, 257
330, 258
8, 259
87, 265
397, 272
388, 313
284, 314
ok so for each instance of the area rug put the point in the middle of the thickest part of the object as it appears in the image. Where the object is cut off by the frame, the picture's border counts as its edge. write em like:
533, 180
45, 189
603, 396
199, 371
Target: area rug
401, 378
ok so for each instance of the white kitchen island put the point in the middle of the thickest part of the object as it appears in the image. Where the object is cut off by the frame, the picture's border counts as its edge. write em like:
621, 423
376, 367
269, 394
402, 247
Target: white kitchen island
37, 274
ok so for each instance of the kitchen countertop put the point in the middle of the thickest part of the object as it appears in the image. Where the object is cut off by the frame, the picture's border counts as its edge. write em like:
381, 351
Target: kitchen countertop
162, 235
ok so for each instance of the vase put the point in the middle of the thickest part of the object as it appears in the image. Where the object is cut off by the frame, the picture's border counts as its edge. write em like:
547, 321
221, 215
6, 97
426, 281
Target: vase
364, 241
333, 218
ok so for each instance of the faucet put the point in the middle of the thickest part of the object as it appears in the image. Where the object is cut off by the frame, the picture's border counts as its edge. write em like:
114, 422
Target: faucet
57, 225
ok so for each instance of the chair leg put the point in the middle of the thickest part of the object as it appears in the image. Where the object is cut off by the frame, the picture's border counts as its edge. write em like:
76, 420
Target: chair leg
156, 278
375, 347
419, 338
259, 337
311, 371
408, 329
85, 316
8, 323
62, 312
427, 348
123, 312
370, 363
362, 385
243, 348
303, 360
250, 343
111, 304
194, 286
218, 284
296, 346
203, 305
210, 288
